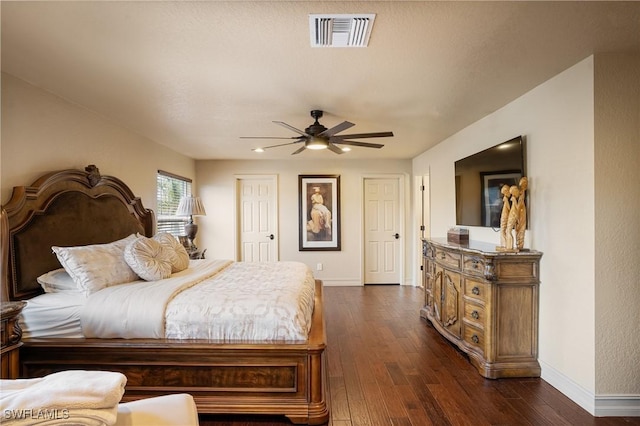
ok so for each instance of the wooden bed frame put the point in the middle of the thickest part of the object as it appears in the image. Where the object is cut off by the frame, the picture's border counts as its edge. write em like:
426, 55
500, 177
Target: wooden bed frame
75, 207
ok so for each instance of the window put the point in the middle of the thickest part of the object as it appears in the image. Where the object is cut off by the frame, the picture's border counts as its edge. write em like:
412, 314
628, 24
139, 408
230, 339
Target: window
170, 189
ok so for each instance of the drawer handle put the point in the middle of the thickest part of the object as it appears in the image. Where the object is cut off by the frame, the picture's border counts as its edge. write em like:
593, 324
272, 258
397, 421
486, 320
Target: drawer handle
474, 264
475, 315
475, 338
475, 291
442, 256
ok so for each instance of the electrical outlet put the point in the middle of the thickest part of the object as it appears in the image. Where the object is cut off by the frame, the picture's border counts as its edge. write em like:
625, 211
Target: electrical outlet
319, 267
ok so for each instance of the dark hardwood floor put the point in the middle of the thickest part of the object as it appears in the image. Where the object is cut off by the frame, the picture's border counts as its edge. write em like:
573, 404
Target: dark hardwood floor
387, 366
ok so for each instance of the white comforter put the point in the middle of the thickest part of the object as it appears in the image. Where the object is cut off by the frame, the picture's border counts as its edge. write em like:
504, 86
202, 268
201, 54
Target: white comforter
213, 299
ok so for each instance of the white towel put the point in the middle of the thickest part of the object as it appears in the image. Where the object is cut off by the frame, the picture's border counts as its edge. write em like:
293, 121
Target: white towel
59, 396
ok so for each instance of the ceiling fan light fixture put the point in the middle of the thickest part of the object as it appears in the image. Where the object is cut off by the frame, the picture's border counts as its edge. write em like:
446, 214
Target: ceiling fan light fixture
317, 137
316, 143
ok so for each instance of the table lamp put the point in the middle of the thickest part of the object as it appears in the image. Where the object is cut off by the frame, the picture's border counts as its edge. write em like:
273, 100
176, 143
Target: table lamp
191, 206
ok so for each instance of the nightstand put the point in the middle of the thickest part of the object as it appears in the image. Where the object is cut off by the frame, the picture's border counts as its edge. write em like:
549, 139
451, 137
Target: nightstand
11, 339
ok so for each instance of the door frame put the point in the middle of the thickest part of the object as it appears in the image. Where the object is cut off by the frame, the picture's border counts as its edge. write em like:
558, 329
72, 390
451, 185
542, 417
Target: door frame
402, 197
422, 217
238, 211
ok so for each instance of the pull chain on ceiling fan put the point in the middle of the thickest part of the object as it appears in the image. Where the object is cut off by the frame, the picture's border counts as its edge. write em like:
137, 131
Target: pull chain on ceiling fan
317, 137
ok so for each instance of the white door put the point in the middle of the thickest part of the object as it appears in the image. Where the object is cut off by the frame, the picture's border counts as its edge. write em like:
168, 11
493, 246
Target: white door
258, 218
382, 231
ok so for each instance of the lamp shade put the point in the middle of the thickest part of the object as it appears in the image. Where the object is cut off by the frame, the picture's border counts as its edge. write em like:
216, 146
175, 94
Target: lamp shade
190, 206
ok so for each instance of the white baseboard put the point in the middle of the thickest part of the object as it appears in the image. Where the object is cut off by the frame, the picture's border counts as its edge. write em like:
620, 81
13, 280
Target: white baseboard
596, 405
617, 406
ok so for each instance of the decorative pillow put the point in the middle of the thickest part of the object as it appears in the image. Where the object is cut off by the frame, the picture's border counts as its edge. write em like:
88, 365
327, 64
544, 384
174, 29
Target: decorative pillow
176, 251
97, 266
57, 281
149, 259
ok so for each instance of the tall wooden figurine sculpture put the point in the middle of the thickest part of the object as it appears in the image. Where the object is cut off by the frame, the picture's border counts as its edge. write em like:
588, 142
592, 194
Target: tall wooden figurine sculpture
513, 219
521, 225
506, 206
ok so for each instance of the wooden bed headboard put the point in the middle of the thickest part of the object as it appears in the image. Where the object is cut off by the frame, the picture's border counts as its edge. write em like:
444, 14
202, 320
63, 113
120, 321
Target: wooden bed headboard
63, 208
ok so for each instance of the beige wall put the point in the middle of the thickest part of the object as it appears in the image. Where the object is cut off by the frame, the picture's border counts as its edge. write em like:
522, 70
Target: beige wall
216, 185
617, 223
42, 132
557, 119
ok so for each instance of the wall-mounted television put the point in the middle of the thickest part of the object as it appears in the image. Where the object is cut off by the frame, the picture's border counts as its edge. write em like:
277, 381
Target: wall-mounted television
480, 176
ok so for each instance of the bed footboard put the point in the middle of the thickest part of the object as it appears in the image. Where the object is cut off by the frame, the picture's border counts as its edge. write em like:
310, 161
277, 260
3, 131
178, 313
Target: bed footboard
249, 380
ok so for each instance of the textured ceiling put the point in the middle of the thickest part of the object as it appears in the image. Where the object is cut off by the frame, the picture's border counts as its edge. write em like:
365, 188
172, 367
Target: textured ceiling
195, 76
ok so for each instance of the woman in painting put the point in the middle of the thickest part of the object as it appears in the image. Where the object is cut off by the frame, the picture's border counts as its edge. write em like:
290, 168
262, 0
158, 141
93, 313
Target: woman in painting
320, 223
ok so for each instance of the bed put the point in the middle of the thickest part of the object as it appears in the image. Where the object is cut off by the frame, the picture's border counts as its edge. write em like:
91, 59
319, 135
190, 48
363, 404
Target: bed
71, 208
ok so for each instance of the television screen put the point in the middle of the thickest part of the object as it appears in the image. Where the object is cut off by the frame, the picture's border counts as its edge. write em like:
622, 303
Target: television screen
479, 177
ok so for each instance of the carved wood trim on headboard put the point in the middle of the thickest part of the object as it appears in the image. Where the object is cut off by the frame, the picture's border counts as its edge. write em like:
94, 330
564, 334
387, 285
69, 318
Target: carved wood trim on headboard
4, 258
64, 208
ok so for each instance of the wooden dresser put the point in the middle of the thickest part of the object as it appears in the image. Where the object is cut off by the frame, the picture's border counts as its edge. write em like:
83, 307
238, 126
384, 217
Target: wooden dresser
486, 303
11, 339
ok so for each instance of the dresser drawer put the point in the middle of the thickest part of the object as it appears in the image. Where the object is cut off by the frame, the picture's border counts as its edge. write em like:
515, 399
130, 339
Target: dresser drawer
474, 314
473, 265
448, 259
513, 271
474, 337
475, 289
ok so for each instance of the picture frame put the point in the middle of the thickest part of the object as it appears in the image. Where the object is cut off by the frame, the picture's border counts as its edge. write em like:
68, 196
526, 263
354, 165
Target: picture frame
319, 212
491, 198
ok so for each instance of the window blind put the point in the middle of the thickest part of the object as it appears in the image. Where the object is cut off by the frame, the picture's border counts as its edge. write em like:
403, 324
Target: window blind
170, 189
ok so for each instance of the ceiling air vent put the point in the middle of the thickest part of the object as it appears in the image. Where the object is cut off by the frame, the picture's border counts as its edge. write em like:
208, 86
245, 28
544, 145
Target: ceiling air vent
340, 30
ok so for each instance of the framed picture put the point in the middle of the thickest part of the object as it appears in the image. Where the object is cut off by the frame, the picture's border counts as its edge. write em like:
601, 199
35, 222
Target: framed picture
319, 212
492, 182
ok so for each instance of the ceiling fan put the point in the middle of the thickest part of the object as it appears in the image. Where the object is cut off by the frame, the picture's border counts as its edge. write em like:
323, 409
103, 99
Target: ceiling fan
316, 136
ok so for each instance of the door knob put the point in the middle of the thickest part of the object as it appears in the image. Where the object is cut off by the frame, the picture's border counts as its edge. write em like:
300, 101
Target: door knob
271, 236
396, 235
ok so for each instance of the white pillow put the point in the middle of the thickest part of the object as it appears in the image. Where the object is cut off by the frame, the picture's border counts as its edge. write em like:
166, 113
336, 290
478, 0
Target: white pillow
57, 281
149, 259
97, 266
176, 251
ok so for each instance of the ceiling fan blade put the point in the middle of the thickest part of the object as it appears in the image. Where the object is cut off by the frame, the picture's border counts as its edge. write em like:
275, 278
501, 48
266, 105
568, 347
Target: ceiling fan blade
334, 148
363, 144
283, 124
366, 135
282, 144
299, 150
336, 129
268, 137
